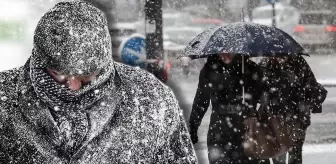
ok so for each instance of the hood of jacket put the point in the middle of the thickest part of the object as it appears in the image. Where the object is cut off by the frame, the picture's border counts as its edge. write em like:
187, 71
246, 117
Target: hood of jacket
72, 38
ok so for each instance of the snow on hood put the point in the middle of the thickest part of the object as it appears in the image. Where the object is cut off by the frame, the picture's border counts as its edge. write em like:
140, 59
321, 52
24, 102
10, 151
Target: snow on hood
73, 42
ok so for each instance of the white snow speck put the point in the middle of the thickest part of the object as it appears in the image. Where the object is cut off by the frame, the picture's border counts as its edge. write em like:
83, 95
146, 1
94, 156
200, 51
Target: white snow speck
80, 72
136, 101
56, 108
4, 98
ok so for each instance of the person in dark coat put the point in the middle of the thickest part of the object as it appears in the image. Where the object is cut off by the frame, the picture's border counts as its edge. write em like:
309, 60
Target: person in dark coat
280, 93
70, 103
220, 82
293, 92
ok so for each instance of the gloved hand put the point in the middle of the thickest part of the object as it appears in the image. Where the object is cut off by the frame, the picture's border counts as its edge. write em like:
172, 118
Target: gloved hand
193, 136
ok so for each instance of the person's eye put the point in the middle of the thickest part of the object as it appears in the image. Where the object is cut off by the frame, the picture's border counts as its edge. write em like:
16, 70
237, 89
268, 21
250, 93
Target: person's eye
55, 72
87, 79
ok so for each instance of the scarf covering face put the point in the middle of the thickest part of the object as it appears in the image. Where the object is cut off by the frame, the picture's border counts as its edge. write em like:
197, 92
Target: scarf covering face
72, 38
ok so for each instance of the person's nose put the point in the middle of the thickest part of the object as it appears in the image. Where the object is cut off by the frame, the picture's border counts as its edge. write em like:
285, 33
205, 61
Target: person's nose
74, 83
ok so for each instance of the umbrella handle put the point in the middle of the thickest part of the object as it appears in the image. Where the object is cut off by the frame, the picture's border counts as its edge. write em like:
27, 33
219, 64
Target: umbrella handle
243, 102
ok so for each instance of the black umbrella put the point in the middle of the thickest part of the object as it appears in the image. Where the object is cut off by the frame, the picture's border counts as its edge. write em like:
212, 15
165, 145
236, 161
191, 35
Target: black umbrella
247, 39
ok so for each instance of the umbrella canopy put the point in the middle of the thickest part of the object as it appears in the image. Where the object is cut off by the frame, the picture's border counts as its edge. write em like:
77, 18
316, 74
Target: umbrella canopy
243, 38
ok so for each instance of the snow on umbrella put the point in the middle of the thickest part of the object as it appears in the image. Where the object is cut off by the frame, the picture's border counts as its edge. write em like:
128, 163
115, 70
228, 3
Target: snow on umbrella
243, 38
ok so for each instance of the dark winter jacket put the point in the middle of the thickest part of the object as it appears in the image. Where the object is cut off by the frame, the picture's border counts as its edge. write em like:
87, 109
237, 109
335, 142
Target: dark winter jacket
147, 126
314, 92
281, 93
221, 85
293, 89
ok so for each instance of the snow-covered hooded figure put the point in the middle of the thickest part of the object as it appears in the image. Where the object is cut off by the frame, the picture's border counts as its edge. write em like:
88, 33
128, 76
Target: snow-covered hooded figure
124, 115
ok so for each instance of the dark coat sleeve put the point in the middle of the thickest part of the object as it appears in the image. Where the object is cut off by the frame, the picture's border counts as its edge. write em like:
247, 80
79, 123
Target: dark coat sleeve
257, 80
314, 93
201, 100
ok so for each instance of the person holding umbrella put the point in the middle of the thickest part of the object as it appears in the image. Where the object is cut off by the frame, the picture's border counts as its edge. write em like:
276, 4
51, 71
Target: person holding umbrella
233, 84
292, 76
220, 82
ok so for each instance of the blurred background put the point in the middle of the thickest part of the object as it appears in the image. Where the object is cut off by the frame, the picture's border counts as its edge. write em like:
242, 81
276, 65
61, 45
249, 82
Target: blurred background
311, 22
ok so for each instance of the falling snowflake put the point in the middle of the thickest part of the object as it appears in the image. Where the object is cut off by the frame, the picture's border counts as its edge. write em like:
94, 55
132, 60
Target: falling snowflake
56, 108
103, 103
4, 98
